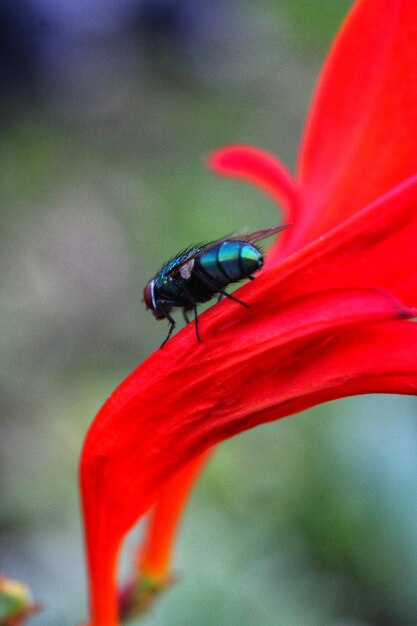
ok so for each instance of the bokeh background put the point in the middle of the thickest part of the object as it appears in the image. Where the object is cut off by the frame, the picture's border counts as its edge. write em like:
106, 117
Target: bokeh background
107, 110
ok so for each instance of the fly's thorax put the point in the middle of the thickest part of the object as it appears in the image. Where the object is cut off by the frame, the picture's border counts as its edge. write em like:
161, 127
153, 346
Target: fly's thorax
230, 261
168, 291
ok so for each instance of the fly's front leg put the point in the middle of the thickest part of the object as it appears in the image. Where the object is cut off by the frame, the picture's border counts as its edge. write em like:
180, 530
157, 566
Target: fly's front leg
170, 330
171, 323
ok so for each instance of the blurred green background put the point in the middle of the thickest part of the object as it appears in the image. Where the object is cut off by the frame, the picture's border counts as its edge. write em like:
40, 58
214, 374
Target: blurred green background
107, 112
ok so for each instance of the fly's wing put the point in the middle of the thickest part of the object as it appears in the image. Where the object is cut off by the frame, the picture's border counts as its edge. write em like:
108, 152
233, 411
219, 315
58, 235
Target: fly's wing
239, 235
258, 235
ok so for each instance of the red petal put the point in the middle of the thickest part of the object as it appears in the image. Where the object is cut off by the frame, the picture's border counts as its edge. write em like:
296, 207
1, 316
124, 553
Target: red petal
360, 136
189, 396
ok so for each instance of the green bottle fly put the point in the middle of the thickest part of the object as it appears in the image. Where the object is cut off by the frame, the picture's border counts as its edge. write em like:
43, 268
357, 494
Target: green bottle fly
203, 271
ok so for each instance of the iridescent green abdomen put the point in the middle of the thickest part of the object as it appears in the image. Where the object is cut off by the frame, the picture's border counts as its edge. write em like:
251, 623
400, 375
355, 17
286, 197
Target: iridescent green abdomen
229, 261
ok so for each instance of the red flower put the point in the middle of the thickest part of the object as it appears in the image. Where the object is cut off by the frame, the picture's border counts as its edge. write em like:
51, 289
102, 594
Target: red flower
327, 314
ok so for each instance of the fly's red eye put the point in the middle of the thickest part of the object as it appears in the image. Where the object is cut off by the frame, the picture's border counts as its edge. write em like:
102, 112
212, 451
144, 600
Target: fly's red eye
147, 296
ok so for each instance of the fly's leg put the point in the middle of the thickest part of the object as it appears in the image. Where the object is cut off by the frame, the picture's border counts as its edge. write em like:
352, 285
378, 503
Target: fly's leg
194, 305
170, 330
187, 319
229, 295
171, 325
222, 292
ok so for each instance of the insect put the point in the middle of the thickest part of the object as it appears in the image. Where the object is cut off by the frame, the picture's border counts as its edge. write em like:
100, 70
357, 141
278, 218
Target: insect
203, 271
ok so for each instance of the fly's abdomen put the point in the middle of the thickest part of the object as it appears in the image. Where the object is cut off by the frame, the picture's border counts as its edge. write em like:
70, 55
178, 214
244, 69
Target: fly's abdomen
229, 261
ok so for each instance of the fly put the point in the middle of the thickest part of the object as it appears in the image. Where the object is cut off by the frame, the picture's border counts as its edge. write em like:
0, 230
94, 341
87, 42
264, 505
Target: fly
202, 271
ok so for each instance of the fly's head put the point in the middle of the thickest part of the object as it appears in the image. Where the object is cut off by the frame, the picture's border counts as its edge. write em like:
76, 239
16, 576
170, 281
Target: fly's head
152, 303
